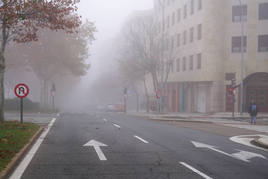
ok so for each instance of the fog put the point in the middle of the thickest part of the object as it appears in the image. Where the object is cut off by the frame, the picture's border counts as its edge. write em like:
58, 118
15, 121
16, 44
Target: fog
108, 16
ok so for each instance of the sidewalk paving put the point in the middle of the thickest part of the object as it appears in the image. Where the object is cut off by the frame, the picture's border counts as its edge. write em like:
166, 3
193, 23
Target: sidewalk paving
225, 119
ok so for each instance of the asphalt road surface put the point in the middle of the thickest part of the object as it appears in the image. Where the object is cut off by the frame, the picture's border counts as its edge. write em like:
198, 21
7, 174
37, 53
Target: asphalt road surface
116, 146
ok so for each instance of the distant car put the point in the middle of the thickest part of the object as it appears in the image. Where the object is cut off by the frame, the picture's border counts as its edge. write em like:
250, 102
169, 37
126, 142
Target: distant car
110, 108
115, 108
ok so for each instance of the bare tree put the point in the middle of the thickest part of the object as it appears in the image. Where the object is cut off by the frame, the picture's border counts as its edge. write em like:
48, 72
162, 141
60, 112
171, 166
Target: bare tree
145, 52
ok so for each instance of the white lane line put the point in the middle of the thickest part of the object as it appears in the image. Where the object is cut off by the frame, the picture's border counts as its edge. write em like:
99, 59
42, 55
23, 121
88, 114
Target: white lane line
27, 159
117, 126
195, 170
144, 141
105, 120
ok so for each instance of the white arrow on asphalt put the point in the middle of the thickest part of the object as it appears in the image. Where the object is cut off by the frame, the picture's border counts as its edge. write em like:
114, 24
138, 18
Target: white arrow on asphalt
246, 156
241, 155
97, 145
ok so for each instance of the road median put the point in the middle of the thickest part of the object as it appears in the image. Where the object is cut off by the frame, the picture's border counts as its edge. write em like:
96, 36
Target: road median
16, 139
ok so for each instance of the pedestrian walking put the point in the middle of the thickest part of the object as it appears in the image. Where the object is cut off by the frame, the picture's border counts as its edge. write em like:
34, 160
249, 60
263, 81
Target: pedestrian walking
253, 112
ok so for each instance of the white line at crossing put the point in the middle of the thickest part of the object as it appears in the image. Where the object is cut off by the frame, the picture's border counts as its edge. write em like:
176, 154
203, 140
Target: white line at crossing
117, 126
144, 141
195, 170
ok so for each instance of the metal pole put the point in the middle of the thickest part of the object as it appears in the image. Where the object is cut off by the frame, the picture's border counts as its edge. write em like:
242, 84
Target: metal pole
233, 103
162, 56
242, 61
125, 104
21, 110
53, 102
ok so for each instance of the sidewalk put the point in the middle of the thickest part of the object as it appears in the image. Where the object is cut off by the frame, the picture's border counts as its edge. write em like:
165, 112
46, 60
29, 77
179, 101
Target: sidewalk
216, 118
262, 118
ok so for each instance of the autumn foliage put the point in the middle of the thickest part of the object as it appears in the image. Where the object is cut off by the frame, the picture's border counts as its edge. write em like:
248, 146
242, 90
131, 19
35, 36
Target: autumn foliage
20, 21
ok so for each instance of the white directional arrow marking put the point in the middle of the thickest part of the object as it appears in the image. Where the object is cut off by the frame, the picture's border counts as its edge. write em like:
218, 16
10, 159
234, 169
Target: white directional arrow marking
246, 156
97, 145
241, 155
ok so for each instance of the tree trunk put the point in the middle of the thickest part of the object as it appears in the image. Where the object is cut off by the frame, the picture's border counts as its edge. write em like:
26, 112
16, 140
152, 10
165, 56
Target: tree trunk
147, 96
138, 102
2, 94
4, 37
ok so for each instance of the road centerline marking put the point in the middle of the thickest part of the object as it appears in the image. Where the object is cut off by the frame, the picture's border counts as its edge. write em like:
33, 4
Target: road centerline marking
117, 126
28, 158
141, 139
195, 170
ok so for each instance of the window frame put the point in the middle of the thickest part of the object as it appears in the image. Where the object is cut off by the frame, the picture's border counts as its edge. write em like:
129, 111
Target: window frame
264, 10
260, 46
237, 48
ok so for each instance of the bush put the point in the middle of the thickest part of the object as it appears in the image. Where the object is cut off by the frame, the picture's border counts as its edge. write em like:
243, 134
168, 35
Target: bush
14, 105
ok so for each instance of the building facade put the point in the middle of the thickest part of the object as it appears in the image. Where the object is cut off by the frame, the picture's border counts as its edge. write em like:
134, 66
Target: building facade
207, 38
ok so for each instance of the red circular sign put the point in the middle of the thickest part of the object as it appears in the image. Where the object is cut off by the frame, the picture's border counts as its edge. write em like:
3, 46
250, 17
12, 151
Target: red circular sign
21, 90
158, 94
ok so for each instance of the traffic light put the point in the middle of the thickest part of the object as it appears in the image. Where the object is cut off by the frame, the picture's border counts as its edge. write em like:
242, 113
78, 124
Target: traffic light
231, 91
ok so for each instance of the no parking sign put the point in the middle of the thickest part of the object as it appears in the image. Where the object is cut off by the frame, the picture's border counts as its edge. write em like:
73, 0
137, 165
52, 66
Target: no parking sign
21, 91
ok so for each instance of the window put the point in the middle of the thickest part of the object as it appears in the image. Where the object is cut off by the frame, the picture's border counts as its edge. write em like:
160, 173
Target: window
192, 6
178, 65
167, 44
171, 66
263, 43
168, 21
199, 32
185, 11
184, 37
192, 34
239, 11
199, 4
263, 11
172, 42
173, 18
236, 44
199, 61
191, 67
178, 40
184, 64
179, 15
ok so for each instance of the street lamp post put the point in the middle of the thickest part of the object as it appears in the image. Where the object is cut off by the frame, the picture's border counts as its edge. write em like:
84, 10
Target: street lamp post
242, 60
162, 4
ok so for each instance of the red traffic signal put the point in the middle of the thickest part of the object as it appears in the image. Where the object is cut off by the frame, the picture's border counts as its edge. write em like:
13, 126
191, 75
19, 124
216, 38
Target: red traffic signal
230, 91
158, 94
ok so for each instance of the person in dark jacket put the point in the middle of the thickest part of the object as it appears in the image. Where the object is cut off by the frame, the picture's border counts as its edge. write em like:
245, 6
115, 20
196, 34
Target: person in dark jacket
253, 112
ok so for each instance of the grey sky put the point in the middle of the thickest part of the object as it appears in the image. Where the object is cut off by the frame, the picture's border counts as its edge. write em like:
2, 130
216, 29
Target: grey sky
108, 15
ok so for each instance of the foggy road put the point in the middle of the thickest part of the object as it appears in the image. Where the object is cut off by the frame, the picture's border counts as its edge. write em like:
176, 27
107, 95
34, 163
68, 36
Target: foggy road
118, 146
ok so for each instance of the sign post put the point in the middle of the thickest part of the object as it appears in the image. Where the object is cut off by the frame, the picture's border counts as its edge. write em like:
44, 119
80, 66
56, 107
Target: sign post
125, 100
21, 91
53, 92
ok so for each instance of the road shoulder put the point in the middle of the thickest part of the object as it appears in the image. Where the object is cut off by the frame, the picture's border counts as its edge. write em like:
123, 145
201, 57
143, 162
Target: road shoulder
18, 157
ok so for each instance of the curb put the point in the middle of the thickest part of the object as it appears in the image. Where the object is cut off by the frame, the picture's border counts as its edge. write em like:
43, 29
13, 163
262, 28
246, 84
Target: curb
182, 120
19, 155
259, 143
